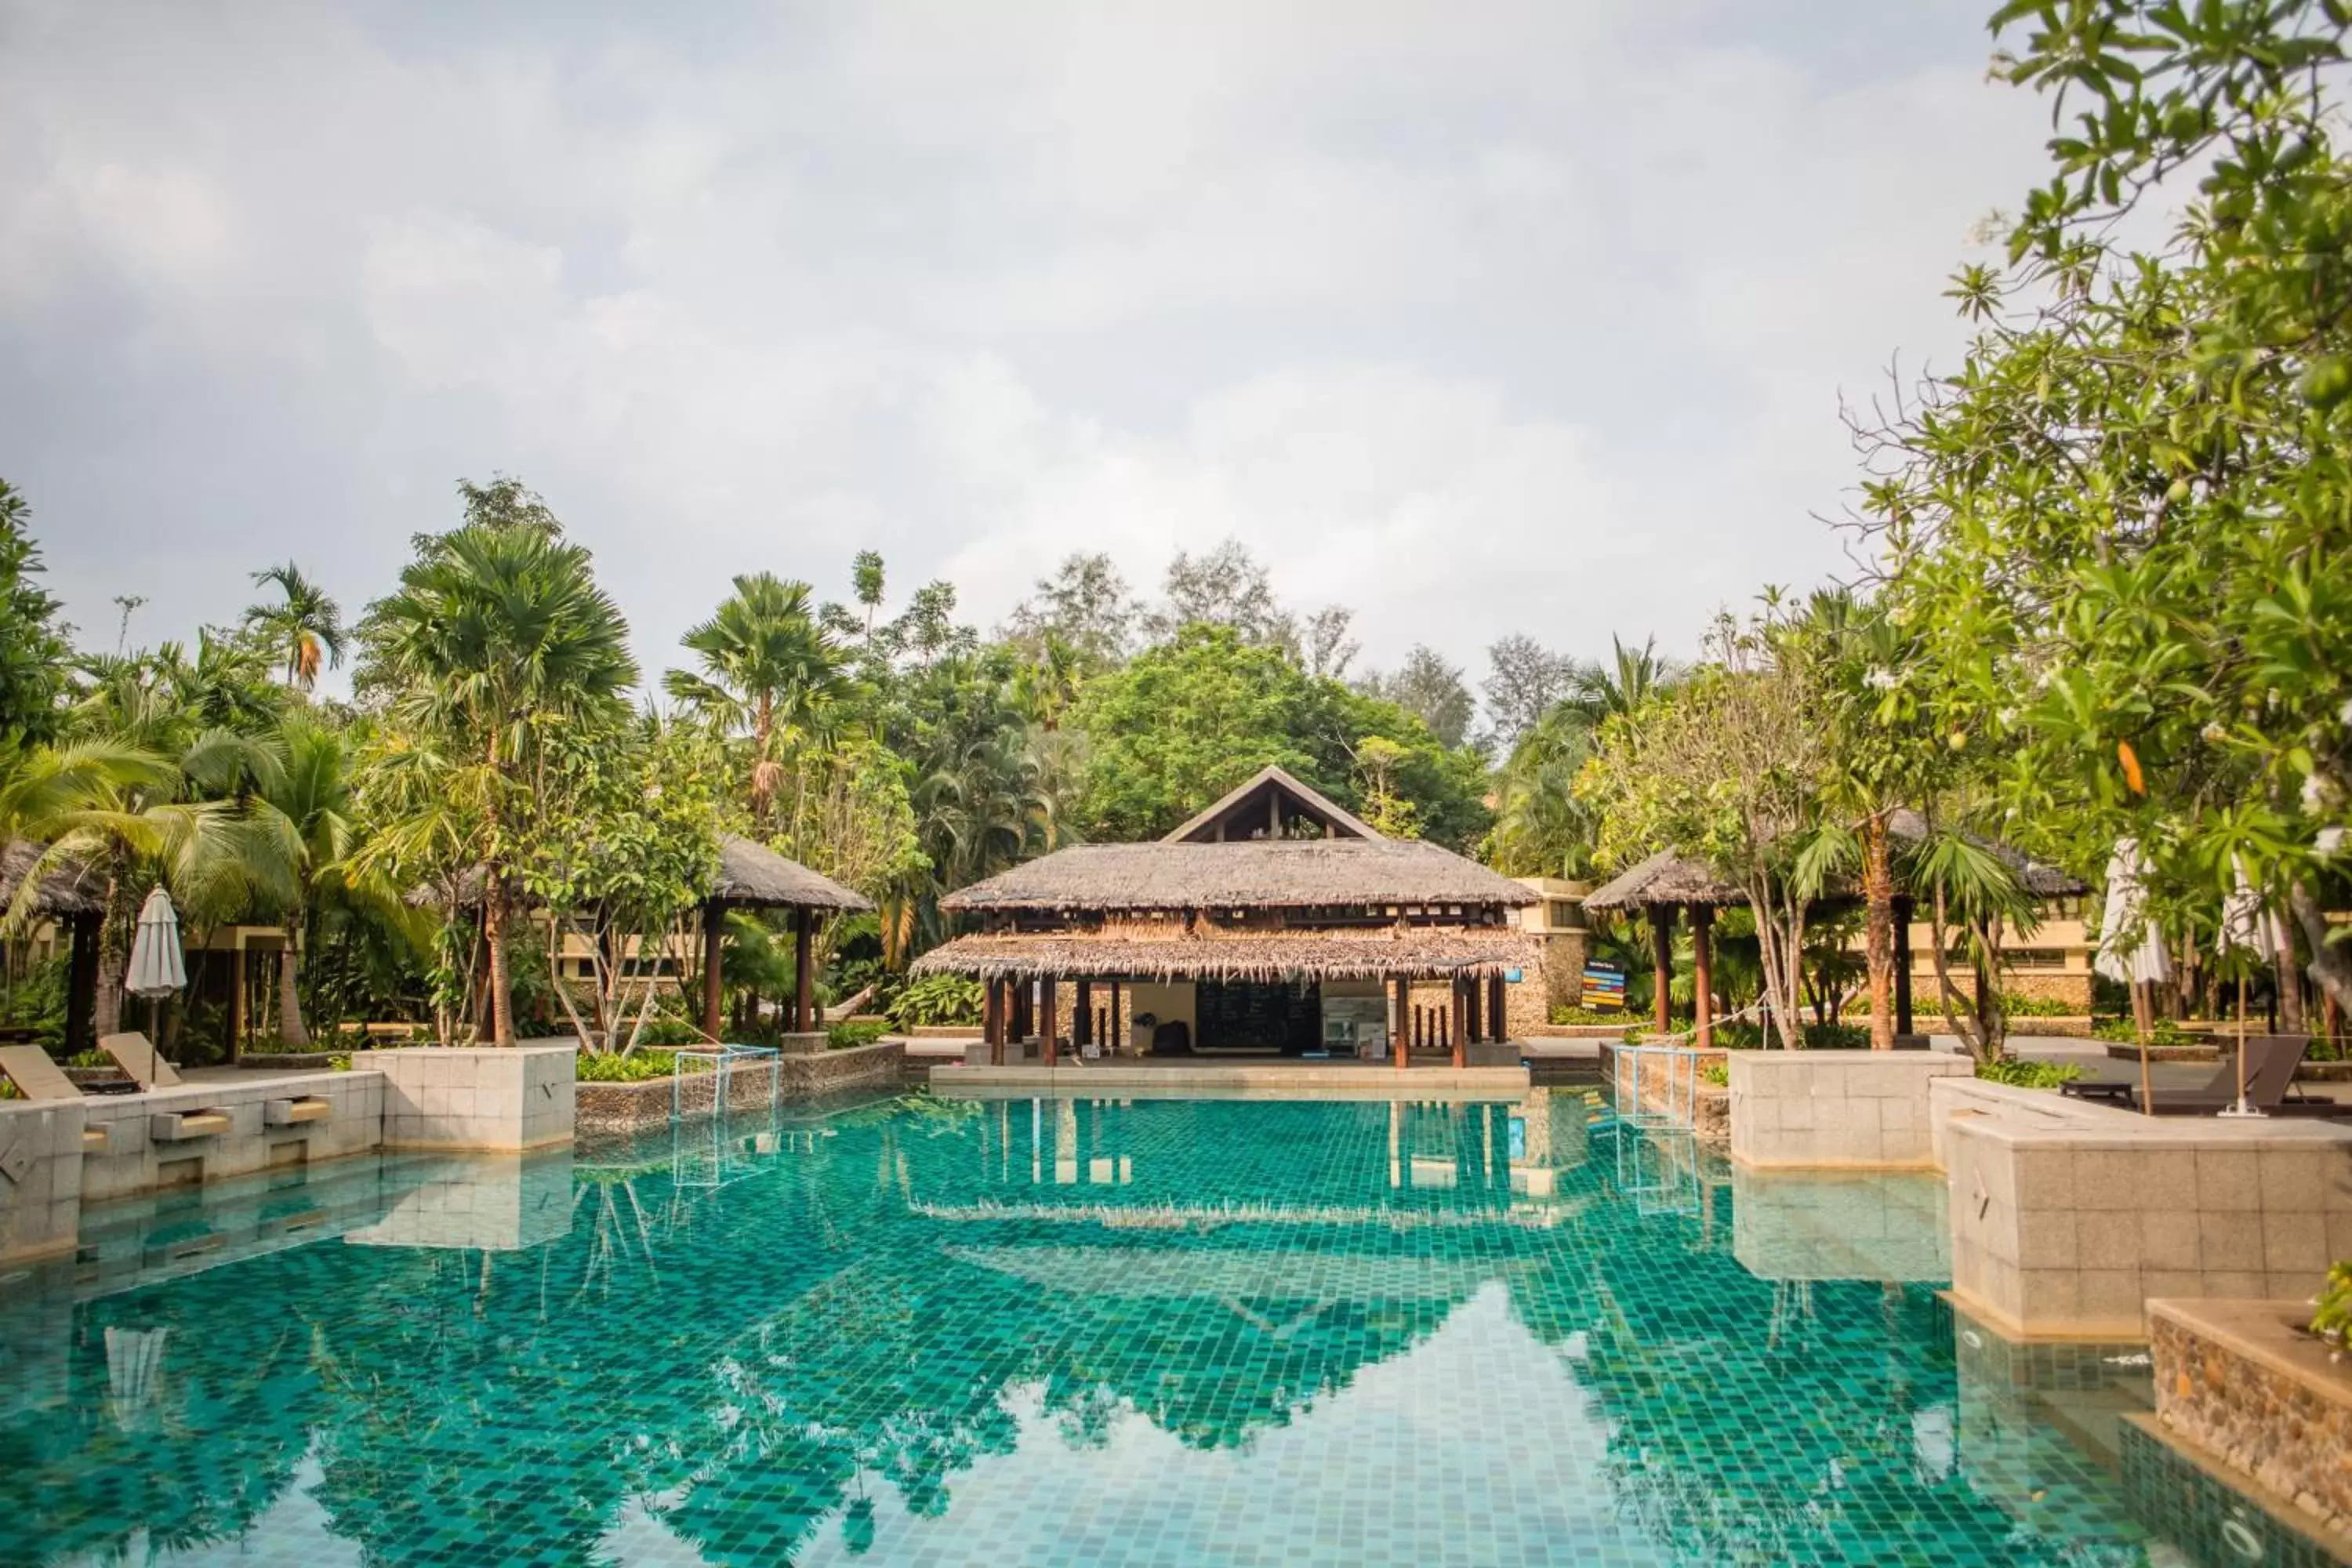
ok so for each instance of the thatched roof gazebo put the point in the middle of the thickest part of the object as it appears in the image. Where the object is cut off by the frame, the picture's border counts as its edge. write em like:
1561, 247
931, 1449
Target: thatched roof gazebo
1272, 889
1666, 884
73, 899
753, 876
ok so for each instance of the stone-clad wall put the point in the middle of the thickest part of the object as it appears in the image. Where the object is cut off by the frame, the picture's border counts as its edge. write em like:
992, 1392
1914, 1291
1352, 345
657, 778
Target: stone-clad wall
476, 1097
1797, 1110
2240, 1381
40, 1179
2068, 1227
137, 1157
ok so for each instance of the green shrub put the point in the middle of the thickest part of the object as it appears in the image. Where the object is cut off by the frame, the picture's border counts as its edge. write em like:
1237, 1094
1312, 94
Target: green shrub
2331, 1317
92, 1058
2018, 1005
934, 1000
854, 1033
2120, 1031
668, 1029
640, 1067
1566, 1013
1747, 1034
1716, 1073
2025, 1074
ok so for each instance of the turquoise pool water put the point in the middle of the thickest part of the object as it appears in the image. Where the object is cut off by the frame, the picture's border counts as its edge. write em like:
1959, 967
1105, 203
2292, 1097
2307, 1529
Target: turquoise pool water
1052, 1332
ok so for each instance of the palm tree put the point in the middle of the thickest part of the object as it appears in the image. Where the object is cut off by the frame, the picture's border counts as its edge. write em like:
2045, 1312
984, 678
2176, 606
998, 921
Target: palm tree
308, 623
1540, 828
495, 635
769, 670
1630, 678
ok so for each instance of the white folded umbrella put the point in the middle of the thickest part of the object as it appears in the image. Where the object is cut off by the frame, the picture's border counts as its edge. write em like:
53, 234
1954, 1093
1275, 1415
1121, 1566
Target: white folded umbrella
156, 969
2131, 949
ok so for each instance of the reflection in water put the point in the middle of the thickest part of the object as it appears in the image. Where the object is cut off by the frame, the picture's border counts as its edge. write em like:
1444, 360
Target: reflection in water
1045, 1330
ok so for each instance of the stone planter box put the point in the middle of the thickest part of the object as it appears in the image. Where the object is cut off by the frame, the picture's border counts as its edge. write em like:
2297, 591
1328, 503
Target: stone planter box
943, 1032
287, 1061
2324, 1072
2240, 1381
631, 1107
2167, 1053
96, 1078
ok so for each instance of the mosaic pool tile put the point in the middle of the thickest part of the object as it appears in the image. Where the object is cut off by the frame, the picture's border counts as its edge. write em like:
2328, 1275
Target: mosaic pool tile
1134, 1334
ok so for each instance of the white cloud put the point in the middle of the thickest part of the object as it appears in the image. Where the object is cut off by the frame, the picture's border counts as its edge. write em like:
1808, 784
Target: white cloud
1534, 324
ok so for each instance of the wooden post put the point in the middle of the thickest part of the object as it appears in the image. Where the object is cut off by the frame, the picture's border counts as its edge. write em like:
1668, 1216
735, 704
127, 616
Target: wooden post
714, 923
803, 971
1475, 1029
1025, 1003
1458, 1025
1403, 1023
991, 1037
1702, 973
1082, 1025
1902, 966
1118, 1030
81, 983
1661, 954
1498, 1020
1049, 1004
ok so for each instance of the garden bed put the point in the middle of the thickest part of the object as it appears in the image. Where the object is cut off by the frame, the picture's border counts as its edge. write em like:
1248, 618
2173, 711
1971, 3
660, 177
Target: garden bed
629, 1106
287, 1061
2175, 1053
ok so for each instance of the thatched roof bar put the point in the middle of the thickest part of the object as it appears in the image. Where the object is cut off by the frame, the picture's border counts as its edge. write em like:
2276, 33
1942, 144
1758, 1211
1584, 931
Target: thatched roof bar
67, 892
1259, 874
753, 875
1413, 953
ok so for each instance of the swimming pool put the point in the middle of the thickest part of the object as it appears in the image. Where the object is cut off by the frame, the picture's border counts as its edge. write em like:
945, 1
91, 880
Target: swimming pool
1057, 1332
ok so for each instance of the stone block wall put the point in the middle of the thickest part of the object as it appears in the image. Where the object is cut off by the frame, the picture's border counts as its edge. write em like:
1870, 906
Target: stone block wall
1799, 1109
2241, 1382
2067, 1230
133, 1160
476, 1097
40, 1179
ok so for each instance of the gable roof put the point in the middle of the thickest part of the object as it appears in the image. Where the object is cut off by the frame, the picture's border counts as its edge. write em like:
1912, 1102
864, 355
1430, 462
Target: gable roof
1306, 801
1261, 873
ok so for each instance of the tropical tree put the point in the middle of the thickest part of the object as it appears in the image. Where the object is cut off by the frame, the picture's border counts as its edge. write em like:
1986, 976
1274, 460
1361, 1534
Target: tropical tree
2122, 526
1541, 827
768, 671
32, 650
1725, 769
496, 640
1429, 689
306, 624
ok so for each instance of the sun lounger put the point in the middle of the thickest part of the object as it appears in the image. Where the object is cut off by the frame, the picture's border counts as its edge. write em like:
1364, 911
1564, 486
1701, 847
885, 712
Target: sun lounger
2271, 1064
135, 1056
34, 1075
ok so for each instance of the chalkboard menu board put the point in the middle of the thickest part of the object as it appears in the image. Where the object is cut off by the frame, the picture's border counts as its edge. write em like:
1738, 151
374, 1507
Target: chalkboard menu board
1245, 1015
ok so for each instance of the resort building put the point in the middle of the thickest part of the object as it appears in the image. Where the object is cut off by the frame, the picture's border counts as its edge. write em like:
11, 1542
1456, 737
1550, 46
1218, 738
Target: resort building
1275, 921
1557, 919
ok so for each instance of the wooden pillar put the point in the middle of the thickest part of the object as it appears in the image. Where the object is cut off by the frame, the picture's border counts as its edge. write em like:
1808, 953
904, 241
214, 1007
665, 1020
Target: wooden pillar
1477, 994
1025, 1002
1902, 966
1082, 1026
81, 983
1702, 973
1403, 1023
803, 971
1498, 1019
1118, 1030
714, 924
991, 1039
1049, 1005
1661, 954
1458, 1024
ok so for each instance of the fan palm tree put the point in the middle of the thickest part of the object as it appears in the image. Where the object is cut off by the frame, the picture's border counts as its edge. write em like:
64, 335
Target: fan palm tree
1540, 828
307, 624
1630, 678
495, 635
769, 670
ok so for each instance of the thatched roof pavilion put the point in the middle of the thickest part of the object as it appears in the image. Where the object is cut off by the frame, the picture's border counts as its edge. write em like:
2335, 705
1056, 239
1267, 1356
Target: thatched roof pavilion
1272, 888
1666, 883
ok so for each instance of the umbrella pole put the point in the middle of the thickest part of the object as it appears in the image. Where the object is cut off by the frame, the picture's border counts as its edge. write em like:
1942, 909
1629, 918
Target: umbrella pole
2242, 1108
2146, 1090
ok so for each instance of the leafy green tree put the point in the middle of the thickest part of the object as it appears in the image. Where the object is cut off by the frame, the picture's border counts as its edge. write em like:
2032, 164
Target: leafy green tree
1085, 606
2123, 526
1429, 689
496, 640
1182, 725
1226, 586
32, 650
306, 622
1524, 681
1725, 769
1541, 827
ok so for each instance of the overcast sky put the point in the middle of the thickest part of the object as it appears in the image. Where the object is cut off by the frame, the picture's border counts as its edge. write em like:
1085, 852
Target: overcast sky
1508, 317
